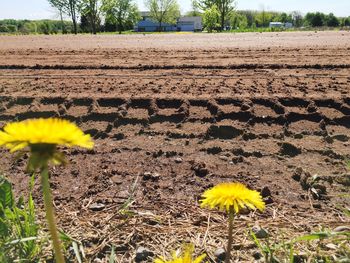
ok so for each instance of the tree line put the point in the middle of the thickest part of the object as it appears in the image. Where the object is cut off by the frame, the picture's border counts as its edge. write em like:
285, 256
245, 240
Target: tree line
35, 26
221, 15
263, 18
120, 15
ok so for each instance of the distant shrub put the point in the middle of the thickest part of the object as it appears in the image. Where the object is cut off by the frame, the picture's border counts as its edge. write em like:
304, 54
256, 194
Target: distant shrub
45, 27
4, 29
12, 28
28, 27
35, 26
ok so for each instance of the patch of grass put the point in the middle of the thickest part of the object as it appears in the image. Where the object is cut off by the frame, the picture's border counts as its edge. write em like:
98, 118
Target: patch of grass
124, 208
75, 245
347, 164
324, 246
112, 256
19, 231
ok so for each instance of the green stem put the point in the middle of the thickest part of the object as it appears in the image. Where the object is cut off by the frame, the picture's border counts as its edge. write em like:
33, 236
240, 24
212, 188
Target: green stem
50, 216
230, 235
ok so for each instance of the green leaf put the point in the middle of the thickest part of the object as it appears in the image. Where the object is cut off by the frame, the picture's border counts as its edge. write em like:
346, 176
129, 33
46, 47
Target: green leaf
314, 236
4, 229
264, 249
347, 163
347, 212
6, 196
26, 239
76, 251
77, 246
66, 238
112, 257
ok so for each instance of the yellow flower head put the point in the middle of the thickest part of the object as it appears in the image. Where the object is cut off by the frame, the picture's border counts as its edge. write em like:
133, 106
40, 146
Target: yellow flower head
185, 258
42, 136
235, 196
52, 131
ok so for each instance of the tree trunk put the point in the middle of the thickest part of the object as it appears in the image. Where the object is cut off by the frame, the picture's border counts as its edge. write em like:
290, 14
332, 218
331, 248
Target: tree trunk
75, 25
222, 22
93, 16
120, 24
94, 28
223, 14
73, 15
62, 23
160, 26
93, 24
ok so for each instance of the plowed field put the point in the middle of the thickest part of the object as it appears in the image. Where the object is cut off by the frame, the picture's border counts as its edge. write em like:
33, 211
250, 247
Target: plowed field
173, 115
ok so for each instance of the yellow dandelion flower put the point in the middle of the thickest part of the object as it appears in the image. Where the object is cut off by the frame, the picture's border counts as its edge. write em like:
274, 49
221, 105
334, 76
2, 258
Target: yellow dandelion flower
232, 195
185, 258
43, 136
52, 131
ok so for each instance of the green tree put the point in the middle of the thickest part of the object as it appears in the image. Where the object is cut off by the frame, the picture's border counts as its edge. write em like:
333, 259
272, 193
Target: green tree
210, 18
34, 26
250, 15
28, 27
195, 10
297, 18
332, 20
224, 7
239, 21
163, 11
70, 8
85, 24
110, 23
59, 5
91, 10
124, 13
315, 19
347, 21
45, 27
263, 18
4, 29
283, 17
12, 28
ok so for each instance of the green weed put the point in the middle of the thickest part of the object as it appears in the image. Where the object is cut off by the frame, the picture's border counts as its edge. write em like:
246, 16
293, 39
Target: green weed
76, 246
112, 256
18, 228
328, 246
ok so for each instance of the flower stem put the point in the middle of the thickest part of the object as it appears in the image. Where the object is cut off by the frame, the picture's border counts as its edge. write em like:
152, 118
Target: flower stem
230, 237
50, 217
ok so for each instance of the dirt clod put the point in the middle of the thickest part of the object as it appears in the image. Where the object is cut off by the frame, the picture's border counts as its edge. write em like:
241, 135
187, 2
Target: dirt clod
343, 179
223, 132
97, 207
265, 192
220, 254
200, 169
289, 149
151, 176
260, 232
142, 254
178, 160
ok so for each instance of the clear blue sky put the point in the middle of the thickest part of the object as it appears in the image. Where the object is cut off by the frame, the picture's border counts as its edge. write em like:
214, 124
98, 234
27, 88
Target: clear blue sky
37, 9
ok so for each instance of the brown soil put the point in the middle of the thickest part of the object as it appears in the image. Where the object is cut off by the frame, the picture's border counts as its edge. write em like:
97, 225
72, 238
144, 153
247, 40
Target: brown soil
170, 123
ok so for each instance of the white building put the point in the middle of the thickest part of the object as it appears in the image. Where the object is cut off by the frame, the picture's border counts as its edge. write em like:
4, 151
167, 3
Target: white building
288, 25
189, 23
280, 25
276, 24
